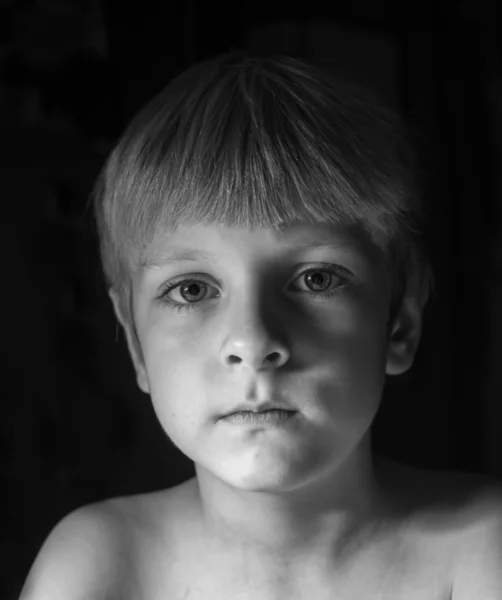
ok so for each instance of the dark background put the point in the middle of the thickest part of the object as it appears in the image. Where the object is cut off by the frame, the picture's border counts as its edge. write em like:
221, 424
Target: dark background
74, 427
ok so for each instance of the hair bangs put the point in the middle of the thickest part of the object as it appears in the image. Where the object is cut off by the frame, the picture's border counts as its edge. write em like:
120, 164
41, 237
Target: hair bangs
247, 154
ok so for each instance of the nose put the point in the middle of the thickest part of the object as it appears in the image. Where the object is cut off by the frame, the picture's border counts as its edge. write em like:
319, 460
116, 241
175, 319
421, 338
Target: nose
254, 344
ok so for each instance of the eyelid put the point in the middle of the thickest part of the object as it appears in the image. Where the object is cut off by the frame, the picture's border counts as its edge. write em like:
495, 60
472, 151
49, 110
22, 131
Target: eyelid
335, 267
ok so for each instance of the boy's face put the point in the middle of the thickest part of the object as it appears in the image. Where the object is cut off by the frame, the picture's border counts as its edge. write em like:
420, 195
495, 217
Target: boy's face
250, 299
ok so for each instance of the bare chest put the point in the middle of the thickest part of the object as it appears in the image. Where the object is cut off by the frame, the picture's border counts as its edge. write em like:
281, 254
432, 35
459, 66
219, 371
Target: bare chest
415, 570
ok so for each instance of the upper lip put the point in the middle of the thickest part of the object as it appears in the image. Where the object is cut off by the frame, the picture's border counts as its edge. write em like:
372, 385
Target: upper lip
252, 407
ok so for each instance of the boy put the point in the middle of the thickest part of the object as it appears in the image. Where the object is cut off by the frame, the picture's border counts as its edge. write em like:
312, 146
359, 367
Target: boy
259, 234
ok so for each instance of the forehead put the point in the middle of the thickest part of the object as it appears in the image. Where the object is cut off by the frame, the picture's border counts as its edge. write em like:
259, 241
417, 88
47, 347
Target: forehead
207, 240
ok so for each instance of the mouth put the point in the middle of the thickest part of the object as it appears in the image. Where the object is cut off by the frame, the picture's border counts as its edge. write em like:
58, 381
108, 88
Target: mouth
259, 409
269, 417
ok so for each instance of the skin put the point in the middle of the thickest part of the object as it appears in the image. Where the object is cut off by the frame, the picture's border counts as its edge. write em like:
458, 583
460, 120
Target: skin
274, 497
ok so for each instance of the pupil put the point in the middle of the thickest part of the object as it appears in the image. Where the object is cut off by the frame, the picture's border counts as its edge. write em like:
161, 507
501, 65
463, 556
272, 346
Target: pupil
314, 279
189, 289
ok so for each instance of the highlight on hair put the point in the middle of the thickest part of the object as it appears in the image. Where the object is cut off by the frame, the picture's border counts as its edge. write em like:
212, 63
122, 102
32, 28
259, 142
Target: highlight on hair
246, 141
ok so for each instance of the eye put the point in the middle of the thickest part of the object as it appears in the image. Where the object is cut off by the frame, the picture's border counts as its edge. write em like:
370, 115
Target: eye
192, 291
322, 277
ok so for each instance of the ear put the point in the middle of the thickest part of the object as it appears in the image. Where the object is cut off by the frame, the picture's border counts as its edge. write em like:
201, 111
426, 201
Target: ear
406, 331
132, 343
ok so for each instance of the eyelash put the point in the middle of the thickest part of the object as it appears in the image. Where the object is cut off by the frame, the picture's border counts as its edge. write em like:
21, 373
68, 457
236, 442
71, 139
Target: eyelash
343, 274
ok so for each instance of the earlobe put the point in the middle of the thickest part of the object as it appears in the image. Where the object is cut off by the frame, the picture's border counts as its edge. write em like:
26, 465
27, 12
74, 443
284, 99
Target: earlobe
132, 344
142, 380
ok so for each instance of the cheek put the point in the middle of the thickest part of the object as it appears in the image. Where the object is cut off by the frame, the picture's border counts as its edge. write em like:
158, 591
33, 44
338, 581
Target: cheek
354, 336
175, 388
168, 349
352, 356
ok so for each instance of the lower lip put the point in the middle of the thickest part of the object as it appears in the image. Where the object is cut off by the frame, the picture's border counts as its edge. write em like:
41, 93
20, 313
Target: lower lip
268, 417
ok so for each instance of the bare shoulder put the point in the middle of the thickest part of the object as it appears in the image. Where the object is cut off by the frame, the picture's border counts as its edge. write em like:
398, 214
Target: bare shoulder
79, 558
105, 550
165, 514
455, 519
479, 566
162, 529
431, 495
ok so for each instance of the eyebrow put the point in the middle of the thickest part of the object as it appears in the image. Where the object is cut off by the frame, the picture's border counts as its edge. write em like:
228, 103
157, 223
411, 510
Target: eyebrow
189, 255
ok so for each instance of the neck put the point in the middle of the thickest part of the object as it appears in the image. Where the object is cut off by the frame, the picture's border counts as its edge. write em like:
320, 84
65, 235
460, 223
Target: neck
317, 521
